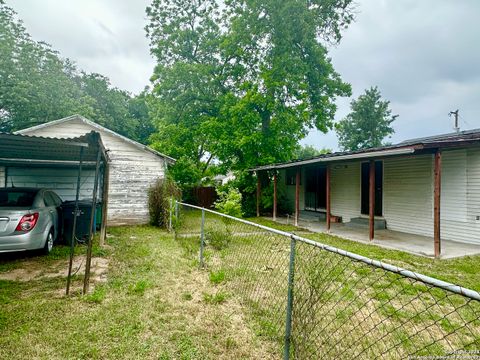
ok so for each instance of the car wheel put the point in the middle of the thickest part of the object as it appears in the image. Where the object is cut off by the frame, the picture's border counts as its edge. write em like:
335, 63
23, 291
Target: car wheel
48, 244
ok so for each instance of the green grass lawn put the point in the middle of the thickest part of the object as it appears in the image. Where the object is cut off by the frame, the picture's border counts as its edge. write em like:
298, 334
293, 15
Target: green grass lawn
342, 308
464, 271
155, 304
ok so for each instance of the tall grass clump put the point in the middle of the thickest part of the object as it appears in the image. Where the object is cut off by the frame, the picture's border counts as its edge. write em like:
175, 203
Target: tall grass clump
160, 196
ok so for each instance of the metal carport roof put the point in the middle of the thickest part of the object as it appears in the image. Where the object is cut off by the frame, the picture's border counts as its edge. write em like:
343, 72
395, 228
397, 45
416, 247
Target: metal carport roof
23, 149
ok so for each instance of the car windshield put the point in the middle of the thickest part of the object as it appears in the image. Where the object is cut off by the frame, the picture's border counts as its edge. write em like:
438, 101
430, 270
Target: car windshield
16, 197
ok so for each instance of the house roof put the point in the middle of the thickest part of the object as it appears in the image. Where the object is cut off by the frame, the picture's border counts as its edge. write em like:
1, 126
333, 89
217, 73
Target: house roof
419, 145
25, 149
99, 127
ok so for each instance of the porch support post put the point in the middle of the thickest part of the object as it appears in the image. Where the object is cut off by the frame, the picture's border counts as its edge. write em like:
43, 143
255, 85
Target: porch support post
436, 202
297, 196
327, 190
372, 200
258, 193
275, 196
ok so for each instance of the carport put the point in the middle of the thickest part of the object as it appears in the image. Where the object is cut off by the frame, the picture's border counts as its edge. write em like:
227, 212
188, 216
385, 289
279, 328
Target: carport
77, 166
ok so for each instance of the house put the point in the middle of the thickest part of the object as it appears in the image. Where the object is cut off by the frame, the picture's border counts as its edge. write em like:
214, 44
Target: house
131, 169
428, 187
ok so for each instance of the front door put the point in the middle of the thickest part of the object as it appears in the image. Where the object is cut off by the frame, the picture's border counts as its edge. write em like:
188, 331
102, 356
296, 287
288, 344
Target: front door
315, 190
378, 188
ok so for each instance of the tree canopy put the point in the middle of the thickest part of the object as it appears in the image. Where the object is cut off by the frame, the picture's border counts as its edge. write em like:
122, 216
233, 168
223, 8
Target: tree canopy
368, 124
37, 86
240, 84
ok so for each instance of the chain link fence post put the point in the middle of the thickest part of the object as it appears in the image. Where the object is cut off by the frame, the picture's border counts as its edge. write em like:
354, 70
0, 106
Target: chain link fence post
288, 322
202, 239
176, 212
170, 215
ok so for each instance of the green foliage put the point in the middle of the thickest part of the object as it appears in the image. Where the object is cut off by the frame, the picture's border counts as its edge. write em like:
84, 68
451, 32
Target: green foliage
217, 277
309, 151
215, 299
368, 124
160, 198
229, 202
37, 86
219, 237
240, 84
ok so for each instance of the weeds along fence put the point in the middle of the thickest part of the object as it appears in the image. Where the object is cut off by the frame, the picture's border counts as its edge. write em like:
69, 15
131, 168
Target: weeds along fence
318, 302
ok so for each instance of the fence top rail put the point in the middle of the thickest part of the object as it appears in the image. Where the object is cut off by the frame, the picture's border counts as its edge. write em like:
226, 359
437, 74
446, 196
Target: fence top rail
472, 294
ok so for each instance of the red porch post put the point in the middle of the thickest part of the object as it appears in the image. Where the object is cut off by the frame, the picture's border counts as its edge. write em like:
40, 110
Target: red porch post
328, 197
297, 196
258, 193
436, 202
274, 196
372, 200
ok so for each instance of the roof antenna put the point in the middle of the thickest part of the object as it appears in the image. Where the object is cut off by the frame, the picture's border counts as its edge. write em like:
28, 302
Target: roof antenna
456, 128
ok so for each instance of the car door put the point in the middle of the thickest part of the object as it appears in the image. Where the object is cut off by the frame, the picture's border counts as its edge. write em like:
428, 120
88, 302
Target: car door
51, 205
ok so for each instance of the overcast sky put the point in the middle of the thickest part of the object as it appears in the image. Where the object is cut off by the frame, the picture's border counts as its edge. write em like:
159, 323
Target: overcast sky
423, 55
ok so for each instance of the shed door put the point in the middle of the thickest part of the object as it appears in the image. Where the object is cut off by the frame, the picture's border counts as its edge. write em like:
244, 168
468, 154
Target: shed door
378, 188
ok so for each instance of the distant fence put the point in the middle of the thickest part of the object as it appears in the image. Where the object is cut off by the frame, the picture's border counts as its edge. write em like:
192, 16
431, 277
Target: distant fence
204, 196
320, 302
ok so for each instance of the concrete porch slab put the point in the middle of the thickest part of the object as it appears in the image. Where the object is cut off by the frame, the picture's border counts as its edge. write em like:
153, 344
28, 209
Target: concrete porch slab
389, 239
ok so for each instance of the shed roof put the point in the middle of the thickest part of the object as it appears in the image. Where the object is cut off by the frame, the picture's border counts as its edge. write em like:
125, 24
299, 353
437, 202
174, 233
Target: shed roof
24, 149
99, 127
458, 139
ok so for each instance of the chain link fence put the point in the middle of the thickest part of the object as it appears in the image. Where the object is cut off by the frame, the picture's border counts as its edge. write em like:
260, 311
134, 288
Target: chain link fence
317, 301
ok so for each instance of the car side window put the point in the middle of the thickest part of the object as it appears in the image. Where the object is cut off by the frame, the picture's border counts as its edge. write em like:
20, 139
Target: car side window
49, 199
57, 199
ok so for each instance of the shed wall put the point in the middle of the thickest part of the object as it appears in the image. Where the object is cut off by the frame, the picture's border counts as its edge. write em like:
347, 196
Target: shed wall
345, 190
132, 171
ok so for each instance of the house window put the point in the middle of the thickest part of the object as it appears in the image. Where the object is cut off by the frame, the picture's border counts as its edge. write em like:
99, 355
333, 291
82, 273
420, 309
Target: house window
291, 176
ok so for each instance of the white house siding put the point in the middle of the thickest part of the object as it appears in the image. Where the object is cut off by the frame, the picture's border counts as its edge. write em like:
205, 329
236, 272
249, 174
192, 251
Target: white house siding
460, 205
408, 194
2, 176
62, 181
132, 171
345, 190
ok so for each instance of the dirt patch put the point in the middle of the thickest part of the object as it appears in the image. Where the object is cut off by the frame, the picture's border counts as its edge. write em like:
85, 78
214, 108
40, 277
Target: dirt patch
32, 270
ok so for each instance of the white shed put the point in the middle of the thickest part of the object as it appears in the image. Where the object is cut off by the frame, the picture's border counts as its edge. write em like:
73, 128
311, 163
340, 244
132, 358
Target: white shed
132, 169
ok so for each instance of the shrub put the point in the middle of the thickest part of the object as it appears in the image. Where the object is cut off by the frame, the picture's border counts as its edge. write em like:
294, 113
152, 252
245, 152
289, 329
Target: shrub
229, 202
159, 197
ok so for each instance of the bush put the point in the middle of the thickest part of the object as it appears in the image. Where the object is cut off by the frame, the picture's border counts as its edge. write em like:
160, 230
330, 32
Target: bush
229, 202
159, 197
218, 238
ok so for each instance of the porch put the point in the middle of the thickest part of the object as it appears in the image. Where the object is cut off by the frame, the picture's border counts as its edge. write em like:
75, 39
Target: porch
389, 239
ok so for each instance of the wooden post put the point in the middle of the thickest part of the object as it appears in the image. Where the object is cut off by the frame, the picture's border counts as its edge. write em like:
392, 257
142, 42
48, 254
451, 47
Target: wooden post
327, 190
436, 202
372, 200
275, 196
106, 180
297, 196
258, 193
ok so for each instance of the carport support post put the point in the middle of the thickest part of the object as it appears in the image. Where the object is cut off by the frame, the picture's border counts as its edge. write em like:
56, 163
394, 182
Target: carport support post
436, 202
86, 280
327, 191
74, 225
106, 185
297, 196
372, 200
275, 196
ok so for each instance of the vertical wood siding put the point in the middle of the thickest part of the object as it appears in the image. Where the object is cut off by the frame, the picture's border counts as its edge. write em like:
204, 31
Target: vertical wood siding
345, 190
132, 171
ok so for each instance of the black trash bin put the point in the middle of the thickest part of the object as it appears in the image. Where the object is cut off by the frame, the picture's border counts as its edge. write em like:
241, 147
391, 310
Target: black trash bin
83, 219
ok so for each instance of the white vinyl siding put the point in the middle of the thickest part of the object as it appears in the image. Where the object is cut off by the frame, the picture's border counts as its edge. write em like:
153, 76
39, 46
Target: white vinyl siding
2, 177
345, 190
461, 224
132, 171
408, 194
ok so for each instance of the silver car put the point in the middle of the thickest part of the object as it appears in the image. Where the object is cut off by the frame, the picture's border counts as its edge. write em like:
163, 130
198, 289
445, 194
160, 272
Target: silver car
30, 219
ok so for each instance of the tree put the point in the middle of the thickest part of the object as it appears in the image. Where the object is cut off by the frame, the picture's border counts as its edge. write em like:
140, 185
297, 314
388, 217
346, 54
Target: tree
368, 124
309, 151
37, 86
241, 84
